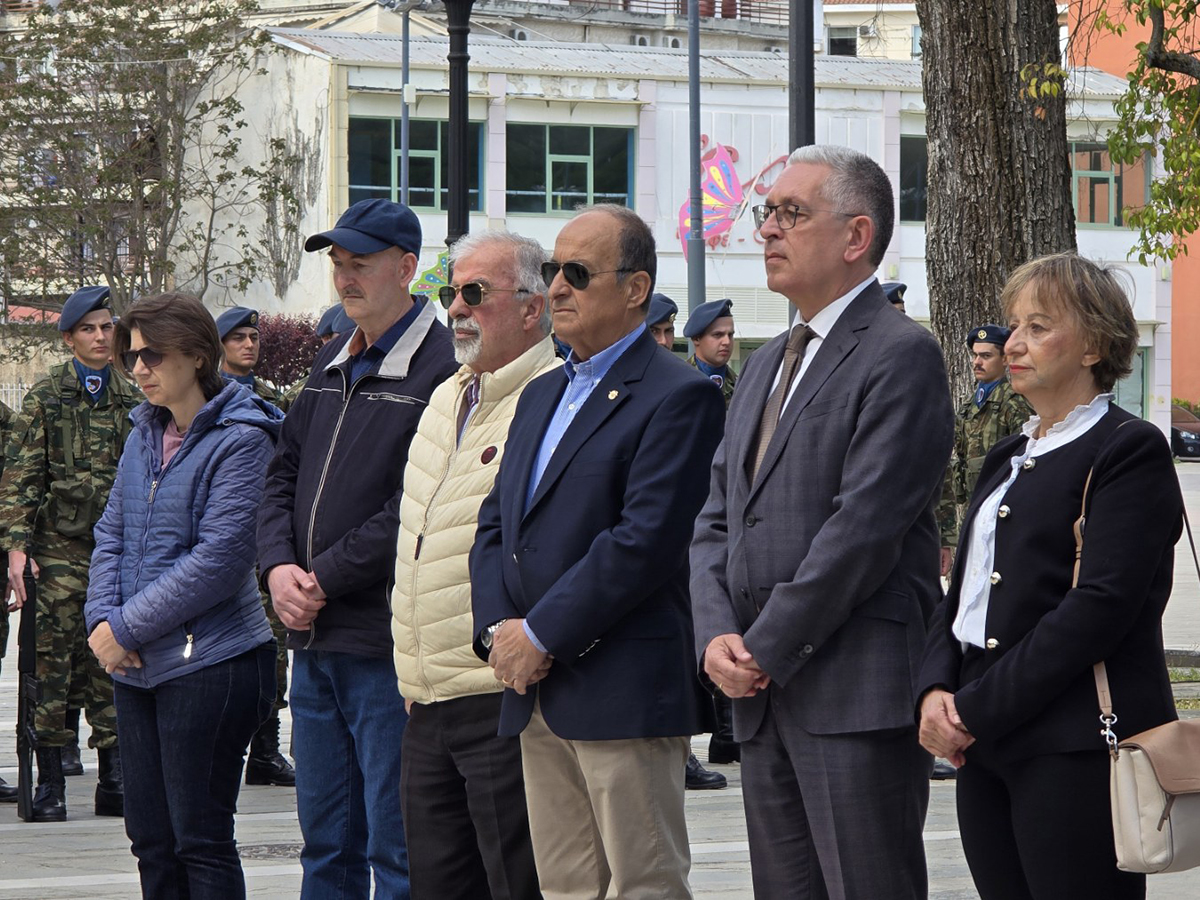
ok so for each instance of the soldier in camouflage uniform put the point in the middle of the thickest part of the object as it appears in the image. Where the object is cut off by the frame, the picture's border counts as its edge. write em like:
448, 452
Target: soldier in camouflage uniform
238, 330
710, 327
61, 460
8, 792
994, 411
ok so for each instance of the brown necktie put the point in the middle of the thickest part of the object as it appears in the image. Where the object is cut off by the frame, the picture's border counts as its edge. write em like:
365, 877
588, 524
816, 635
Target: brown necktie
470, 398
793, 355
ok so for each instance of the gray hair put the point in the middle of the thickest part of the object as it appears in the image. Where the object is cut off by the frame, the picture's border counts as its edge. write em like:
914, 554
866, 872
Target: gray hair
857, 185
527, 256
638, 252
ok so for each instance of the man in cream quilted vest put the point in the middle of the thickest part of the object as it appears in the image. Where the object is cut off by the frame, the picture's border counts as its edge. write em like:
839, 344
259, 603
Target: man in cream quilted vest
461, 787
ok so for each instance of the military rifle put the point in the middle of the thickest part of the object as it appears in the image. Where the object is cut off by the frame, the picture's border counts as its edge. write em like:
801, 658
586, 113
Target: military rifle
28, 691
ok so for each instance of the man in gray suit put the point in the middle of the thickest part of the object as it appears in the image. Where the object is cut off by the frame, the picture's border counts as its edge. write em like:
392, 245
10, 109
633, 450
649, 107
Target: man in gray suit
814, 564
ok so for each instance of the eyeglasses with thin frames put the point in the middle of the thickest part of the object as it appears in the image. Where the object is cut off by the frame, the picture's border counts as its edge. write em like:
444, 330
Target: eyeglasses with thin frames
786, 214
472, 293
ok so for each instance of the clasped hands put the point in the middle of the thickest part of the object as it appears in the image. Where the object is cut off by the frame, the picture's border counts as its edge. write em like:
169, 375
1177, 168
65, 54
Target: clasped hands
514, 658
296, 596
111, 654
942, 731
732, 667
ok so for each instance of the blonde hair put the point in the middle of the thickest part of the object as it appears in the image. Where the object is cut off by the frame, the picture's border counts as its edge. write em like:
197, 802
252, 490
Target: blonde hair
1089, 293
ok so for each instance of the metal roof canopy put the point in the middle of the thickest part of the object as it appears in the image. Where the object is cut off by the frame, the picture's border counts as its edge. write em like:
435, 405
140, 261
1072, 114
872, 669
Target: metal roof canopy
622, 61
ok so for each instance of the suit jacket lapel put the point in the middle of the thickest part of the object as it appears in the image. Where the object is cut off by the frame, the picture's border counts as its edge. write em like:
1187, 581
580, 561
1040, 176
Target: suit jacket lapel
833, 351
605, 399
522, 447
752, 396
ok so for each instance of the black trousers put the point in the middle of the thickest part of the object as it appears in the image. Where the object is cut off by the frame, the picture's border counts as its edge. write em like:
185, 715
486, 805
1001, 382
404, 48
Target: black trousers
463, 798
1041, 829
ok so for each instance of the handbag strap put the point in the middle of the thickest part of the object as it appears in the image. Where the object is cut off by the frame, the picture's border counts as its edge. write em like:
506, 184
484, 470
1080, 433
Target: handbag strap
1099, 671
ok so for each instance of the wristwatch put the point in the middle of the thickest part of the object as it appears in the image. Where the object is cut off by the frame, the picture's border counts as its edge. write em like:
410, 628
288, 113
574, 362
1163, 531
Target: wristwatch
489, 634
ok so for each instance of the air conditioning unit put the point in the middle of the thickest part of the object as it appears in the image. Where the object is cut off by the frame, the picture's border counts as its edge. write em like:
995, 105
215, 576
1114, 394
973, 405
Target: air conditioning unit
867, 31
639, 40
518, 34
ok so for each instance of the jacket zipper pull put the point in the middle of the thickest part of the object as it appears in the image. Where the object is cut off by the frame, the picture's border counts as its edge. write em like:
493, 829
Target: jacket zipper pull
417, 552
187, 651
153, 488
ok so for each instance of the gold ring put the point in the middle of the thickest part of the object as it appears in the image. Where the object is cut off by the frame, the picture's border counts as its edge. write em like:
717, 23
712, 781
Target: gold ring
721, 687
506, 681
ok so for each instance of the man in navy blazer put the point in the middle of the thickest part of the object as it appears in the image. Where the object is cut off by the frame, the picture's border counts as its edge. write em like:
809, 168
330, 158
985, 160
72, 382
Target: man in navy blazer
579, 575
815, 561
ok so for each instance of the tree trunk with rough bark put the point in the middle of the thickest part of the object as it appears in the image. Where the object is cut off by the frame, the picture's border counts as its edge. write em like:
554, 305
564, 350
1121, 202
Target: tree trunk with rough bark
999, 176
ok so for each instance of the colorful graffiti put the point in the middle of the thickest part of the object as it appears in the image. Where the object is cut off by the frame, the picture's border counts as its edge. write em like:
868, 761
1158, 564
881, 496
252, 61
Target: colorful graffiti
723, 195
432, 279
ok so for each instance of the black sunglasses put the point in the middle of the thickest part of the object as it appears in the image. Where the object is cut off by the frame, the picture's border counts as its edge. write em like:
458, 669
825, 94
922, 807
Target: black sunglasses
472, 293
150, 358
576, 274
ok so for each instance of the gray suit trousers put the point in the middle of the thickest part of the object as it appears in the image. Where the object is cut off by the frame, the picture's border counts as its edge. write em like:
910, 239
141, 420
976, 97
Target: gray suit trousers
811, 838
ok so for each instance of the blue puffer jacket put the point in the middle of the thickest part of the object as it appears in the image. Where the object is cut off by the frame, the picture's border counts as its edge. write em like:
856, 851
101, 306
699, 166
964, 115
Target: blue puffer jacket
173, 570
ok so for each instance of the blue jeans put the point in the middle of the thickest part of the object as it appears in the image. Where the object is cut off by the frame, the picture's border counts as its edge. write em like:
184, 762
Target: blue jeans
182, 746
347, 724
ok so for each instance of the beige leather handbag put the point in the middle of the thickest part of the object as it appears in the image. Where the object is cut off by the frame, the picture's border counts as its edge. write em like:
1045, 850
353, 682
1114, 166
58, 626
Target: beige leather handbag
1154, 777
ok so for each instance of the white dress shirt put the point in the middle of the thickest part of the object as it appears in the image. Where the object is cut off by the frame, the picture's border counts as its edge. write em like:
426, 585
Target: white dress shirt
970, 624
822, 323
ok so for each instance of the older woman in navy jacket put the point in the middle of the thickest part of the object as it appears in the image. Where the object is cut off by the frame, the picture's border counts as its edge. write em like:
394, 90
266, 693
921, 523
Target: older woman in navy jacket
1007, 690
173, 608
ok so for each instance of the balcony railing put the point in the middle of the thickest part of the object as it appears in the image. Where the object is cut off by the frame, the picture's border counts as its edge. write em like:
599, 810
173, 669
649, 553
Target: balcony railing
774, 12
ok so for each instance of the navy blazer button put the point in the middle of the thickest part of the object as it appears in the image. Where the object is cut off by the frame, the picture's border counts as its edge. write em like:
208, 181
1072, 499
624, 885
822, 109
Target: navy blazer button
1029, 464
751, 520
1003, 512
745, 593
807, 650
995, 579
992, 644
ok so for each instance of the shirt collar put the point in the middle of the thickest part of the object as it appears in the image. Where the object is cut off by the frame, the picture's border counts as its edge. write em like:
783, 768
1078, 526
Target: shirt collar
598, 365
386, 341
822, 323
1078, 421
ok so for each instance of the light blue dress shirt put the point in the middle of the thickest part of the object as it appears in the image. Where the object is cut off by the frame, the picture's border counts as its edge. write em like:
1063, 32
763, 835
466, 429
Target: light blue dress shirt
582, 378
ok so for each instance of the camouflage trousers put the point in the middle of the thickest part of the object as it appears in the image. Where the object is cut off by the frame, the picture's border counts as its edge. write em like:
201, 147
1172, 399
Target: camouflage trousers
281, 657
3, 616
69, 676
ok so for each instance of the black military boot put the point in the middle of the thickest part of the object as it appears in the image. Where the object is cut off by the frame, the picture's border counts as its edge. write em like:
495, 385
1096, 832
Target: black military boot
110, 788
8, 792
71, 763
698, 778
722, 748
50, 798
266, 765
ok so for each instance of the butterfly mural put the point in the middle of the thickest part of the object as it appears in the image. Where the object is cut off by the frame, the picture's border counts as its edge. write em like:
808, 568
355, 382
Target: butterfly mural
434, 278
721, 195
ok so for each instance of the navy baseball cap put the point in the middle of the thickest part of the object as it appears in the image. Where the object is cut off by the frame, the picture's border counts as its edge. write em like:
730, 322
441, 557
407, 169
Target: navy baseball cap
370, 226
895, 291
662, 307
238, 317
79, 304
704, 315
988, 334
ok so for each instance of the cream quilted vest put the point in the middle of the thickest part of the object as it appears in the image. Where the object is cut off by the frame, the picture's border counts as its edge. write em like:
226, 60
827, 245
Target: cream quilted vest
444, 486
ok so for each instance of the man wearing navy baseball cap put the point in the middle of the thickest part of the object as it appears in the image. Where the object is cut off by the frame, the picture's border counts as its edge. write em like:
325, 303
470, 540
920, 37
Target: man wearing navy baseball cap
327, 548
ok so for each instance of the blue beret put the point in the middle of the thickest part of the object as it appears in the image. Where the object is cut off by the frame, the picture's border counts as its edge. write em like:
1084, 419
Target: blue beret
325, 324
988, 334
342, 321
238, 317
661, 307
704, 315
370, 226
80, 303
895, 291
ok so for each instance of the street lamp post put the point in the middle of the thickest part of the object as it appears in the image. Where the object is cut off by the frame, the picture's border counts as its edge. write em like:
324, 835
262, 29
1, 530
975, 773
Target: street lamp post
695, 235
458, 25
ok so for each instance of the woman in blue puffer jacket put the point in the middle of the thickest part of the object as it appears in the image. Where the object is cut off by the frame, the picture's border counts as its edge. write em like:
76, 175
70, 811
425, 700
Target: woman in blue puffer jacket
173, 608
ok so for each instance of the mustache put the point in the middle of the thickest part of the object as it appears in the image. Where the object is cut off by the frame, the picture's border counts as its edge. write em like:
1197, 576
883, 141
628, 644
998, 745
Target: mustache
464, 323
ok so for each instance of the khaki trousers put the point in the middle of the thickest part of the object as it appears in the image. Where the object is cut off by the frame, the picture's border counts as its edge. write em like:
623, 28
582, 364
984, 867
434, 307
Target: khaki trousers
606, 817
